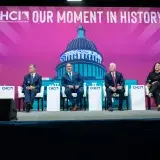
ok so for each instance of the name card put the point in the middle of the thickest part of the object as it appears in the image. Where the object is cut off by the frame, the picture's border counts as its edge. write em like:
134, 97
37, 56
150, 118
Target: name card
53, 98
138, 97
95, 98
7, 92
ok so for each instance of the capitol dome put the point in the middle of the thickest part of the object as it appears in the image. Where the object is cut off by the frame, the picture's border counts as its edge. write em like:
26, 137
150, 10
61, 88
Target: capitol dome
81, 42
84, 56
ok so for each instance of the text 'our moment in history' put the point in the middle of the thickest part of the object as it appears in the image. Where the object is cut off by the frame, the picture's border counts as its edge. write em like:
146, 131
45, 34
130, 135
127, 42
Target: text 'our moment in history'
80, 17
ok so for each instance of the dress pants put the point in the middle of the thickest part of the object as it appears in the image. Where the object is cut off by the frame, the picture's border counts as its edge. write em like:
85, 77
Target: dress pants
73, 100
109, 93
30, 95
155, 90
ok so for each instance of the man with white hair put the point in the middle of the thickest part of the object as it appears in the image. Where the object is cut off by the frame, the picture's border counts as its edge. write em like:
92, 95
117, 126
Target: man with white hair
114, 83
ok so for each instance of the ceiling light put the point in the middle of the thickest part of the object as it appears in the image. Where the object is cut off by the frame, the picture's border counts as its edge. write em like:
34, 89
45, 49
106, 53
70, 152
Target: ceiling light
74, 0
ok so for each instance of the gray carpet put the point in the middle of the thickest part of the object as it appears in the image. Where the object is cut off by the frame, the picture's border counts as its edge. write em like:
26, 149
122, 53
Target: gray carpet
87, 115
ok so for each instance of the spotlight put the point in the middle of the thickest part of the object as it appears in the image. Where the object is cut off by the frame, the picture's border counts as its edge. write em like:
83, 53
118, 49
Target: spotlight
74, 0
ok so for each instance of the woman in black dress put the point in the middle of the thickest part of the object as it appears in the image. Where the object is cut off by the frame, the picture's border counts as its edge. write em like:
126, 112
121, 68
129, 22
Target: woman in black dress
153, 83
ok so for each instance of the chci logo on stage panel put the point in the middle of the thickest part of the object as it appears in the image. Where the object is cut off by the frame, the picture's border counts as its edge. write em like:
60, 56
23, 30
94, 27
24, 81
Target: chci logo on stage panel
137, 87
14, 16
7, 88
94, 88
53, 88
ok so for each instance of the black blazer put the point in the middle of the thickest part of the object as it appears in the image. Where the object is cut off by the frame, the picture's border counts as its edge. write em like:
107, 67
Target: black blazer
152, 77
109, 80
76, 80
37, 82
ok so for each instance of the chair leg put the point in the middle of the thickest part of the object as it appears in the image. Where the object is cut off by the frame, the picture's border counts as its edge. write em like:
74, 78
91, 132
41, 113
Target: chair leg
19, 104
149, 102
67, 105
38, 104
127, 103
63, 103
105, 103
85, 103
81, 104
42, 104
23, 104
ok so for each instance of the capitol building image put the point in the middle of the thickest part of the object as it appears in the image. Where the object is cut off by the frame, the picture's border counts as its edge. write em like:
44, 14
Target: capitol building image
82, 53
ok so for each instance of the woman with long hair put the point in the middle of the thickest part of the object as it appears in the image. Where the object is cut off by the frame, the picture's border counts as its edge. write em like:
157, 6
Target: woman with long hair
153, 83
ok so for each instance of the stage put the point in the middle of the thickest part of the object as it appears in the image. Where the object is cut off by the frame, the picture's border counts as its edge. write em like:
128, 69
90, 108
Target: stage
86, 132
88, 115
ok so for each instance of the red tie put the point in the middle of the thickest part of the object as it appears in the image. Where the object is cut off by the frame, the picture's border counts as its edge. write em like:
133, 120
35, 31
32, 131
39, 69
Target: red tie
114, 79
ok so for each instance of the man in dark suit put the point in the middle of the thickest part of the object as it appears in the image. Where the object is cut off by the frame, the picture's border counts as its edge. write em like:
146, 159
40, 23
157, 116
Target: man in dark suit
114, 83
73, 83
31, 86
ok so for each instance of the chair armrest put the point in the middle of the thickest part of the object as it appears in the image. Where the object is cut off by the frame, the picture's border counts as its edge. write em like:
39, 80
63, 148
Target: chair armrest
41, 93
85, 91
147, 90
20, 93
126, 91
63, 92
104, 91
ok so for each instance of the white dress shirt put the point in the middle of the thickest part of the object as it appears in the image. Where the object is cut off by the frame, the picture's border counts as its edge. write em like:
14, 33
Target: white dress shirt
33, 74
70, 74
113, 74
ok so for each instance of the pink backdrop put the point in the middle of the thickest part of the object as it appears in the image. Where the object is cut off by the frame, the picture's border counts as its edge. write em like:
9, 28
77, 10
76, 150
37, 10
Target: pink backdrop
134, 47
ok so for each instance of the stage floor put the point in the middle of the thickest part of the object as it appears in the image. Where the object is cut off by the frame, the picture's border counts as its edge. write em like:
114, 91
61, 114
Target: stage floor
88, 115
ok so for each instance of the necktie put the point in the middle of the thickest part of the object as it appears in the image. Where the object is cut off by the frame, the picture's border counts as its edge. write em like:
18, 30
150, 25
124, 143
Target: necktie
114, 79
70, 76
31, 78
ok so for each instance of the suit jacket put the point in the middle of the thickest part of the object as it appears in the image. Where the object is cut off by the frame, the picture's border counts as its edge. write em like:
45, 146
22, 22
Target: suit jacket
76, 80
37, 81
110, 82
152, 77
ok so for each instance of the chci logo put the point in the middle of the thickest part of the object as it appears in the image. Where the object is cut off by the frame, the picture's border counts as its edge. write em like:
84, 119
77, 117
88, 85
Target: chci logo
7, 88
53, 88
137, 87
94, 88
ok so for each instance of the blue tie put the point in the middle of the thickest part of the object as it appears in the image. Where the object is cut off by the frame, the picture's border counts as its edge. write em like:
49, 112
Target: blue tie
31, 78
70, 76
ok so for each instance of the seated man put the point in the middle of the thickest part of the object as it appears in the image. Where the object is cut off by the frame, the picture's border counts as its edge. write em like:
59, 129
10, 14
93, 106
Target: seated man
73, 83
31, 86
114, 83
153, 83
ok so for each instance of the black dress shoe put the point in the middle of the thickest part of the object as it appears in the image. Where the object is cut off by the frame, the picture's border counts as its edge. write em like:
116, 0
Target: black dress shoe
158, 109
28, 107
120, 109
16, 119
110, 109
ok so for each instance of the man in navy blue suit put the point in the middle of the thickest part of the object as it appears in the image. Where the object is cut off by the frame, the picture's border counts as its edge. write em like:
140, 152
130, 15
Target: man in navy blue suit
114, 83
73, 83
31, 86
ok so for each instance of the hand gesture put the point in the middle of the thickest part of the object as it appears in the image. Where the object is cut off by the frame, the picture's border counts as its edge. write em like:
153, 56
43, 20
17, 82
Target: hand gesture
70, 86
113, 89
76, 87
119, 87
32, 87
